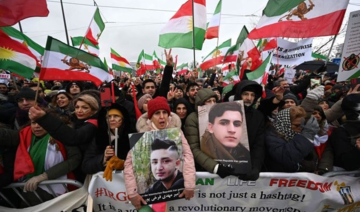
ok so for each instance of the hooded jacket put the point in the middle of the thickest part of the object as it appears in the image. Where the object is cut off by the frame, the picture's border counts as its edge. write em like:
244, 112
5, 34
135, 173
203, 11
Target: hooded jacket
188, 110
94, 155
202, 160
255, 128
144, 124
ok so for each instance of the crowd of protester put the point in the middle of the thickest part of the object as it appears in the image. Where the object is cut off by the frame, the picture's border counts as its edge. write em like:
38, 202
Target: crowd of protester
66, 133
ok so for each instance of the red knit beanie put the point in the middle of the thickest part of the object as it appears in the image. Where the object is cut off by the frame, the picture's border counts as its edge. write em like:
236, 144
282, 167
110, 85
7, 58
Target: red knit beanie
159, 103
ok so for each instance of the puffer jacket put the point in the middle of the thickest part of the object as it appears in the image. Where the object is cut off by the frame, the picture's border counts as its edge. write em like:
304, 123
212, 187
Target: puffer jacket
143, 125
202, 160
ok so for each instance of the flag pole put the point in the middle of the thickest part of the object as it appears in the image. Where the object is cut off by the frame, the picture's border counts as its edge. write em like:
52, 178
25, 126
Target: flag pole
66, 32
193, 31
20, 27
82, 41
37, 91
332, 44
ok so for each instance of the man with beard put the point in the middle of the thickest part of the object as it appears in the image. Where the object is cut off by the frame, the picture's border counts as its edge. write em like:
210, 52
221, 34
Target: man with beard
191, 91
250, 92
25, 100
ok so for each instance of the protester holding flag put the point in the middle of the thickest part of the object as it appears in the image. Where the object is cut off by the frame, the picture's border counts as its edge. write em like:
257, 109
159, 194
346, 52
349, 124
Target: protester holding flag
102, 148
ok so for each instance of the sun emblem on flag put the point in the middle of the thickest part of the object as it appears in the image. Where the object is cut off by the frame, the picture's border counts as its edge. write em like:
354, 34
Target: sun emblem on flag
122, 64
6, 53
190, 24
216, 53
75, 63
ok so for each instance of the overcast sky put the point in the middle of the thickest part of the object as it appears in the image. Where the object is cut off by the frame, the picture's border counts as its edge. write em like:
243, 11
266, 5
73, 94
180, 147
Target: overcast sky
133, 25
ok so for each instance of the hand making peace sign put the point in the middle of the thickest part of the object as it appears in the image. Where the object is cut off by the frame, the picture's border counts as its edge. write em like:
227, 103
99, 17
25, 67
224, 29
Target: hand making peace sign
169, 58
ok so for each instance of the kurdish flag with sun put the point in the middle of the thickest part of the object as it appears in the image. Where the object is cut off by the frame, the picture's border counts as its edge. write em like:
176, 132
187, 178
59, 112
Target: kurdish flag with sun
178, 32
15, 57
119, 63
63, 62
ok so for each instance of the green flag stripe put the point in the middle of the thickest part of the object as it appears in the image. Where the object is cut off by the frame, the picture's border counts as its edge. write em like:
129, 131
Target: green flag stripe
148, 57
319, 56
279, 7
114, 52
218, 8
229, 75
141, 55
55, 45
12, 32
17, 68
98, 20
183, 40
76, 41
259, 72
120, 68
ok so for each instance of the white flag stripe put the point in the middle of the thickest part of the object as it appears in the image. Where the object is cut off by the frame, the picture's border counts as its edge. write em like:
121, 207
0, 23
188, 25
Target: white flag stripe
53, 60
37, 55
215, 21
24, 60
200, 11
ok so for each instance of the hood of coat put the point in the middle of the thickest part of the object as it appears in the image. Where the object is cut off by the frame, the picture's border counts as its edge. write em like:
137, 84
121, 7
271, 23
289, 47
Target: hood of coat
143, 124
241, 85
203, 95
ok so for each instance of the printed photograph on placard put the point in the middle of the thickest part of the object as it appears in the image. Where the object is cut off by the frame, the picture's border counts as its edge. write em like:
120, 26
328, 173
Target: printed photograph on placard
223, 134
158, 163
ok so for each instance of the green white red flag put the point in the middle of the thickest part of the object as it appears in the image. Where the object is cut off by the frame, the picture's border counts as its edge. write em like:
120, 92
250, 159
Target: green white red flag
182, 69
144, 63
86, 45
95, 29
232, 53
157, 62
13, 11
261, 74
120, 63
216, 56
300, 18
15, 34
63, 62
15, 57
212, 30
178, 32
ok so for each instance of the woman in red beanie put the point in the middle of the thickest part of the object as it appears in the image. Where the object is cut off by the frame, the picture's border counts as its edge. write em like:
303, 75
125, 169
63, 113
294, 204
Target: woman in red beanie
160, 117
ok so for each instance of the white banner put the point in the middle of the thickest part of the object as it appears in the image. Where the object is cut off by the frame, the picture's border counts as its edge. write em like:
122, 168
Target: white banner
350, 60
272, 192
289, 74
289, 53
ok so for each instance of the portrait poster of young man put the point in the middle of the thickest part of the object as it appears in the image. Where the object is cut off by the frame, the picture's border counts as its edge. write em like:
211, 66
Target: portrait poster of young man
158, 164
223, 135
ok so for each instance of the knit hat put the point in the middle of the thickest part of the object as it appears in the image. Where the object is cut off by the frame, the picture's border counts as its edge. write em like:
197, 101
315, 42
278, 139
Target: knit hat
159, 103
291, 96
26, 93
74, 83
115, 112
142, 100
351, 107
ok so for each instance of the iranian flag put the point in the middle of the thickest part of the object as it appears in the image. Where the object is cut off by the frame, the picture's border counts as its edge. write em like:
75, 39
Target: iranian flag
120, 63
13, 11
182, 69
232, 53
86, 45
230, 80
261, 74
144, 63
95, 29
300, 18
35, 48
15, 57
178, 32
157, 62
216, 56
63, 62
248, 51
214, 24
265, 45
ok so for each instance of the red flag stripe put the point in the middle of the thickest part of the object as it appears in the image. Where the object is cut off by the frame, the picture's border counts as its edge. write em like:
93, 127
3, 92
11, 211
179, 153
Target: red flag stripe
120, 59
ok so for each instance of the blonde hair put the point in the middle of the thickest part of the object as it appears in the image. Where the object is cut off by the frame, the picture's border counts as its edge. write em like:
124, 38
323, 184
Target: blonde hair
90, 100
297, 112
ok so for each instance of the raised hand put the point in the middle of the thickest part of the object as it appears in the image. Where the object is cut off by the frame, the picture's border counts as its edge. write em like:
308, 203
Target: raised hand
171, 94
169, 58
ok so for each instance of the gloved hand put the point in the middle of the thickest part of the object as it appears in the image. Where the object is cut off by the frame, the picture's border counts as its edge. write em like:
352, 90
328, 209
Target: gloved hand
253, 175
32, 184
310, 129
113, 164
316, 93
224, 171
